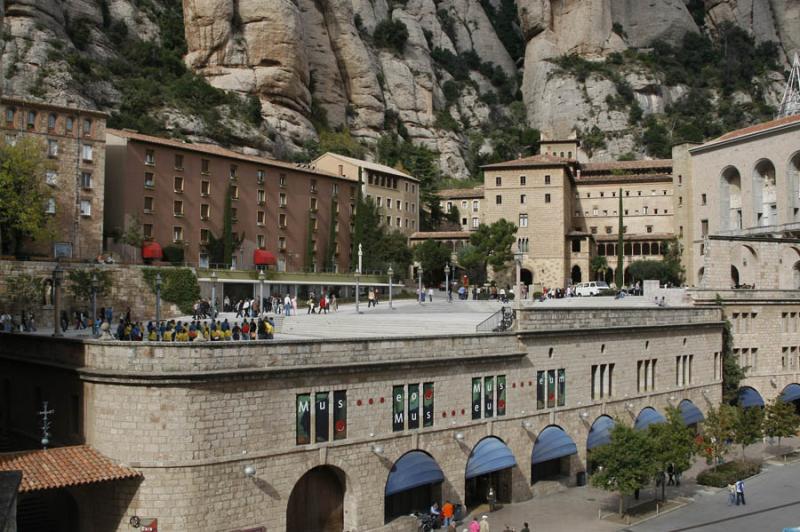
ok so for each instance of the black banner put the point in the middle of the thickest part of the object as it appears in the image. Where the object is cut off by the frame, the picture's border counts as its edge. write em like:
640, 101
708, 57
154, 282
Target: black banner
427, 404
413, 406
562, 387
476, 398
321, 416
340, 415
398, 409
539, 390
551, 388
488, 396
501, 395
303, 418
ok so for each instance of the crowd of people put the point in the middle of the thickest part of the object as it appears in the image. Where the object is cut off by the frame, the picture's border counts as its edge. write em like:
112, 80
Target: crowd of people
212, 330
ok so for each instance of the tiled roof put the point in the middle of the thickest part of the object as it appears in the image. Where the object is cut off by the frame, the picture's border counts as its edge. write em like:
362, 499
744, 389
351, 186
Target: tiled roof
535, 160
757, 128
25, 102
63, 466
434, 235
623, 178
369, 165
212, 149
458, 193
626, 165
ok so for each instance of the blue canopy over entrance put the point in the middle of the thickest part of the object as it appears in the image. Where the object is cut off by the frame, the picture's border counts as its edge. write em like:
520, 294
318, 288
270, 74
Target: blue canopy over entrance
600, 433
690, 413
412, 470
749, 397
647, 417
552, 443
791, 393
490, 455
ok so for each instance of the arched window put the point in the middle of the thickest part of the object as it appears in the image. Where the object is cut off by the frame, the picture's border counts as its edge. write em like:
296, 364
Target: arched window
793, 182
730, 199
765, 206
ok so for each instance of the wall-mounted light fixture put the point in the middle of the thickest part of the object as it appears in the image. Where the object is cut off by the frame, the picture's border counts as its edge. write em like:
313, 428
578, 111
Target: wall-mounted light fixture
459, 436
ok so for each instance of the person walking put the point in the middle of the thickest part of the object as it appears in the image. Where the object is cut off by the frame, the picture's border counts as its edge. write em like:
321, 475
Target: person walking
474, 526
671, 474
447, 513
731, 494
371, 298
484, 524
430, 294
740, 492
525, 527
491, 498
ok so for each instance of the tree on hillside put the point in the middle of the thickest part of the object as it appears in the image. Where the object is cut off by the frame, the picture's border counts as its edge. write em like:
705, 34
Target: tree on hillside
626, 463
433, 255
747, 427
24, 193
673, 443
780, 420
493, 243
718, 430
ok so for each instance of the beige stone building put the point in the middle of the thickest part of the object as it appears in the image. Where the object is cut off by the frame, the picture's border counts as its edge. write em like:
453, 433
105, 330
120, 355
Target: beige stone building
73, 139
394, 192
467, 201
222, 436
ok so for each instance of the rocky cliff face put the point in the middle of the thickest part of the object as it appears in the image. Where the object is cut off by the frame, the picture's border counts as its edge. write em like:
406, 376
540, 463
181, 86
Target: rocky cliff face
320, 63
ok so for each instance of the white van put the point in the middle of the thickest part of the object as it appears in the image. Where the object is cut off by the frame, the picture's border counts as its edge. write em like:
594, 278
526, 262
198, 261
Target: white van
591, 289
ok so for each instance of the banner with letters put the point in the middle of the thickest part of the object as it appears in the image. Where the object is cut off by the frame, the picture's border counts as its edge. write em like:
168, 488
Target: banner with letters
427, 404
398, 408
340, 415
501, 395
303, 418
321, 416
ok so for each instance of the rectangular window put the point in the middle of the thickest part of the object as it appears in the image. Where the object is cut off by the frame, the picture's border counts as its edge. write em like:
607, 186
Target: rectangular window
205, 210
321, 416
148, 204
282, 199
522, 198
488, 397
204, 164
523, 180
704, 227
303, 419
551, 388
282, 243
149, 157
540, 385
260, 174
562, 387
87, 127
86, 207
313, 204
234, 214
576, 246
340, 415
282, 180
476, 398
235, 192
205, 188
282, 221
178, 184
52, 148
427, 403
610, 380
498, 181
50, 208
234, 171
547, 180
147, 230
86, 180
703, 199
398, 409
87, 153
204, 236
178, 162
177, 234
523, 220
498, 199
500, 407
10, 114
260, 216
313, 186
547, 198
177, 208
413, 406
31, 118
475, 223
261, 241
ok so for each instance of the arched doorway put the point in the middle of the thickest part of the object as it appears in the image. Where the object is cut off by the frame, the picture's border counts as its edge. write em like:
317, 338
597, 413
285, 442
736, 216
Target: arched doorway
791, 394
551, 455
734, 276
317, 501
730, 199
526, 276
700, 274
489, 465
576, 276
599, 434
691, 414
648, 416
414, 481
749, 397
626, 275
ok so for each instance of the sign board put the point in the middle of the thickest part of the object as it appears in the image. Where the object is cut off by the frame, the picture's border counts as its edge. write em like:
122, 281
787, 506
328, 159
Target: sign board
148, 525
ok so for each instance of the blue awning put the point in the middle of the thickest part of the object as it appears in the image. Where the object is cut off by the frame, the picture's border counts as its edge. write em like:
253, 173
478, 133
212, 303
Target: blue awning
749, 397
600, 433
647, 417
791, 393
552, 443
488, 456
412, 470
690, 413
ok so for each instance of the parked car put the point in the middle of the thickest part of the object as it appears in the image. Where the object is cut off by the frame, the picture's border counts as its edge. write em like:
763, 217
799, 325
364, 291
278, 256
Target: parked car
591, 288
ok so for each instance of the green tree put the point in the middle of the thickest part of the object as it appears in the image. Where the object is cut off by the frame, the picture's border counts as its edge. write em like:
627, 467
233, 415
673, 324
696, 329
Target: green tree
599, 266
747, 427
732, 372
433, 255
642, 270
673, 443
626, 463
620, 273
391, 34
718, 430
215, 247
493, 243
227, 228
381, 247
80, 282
394, 251
780, 420
470, 258
23, 193
23, 290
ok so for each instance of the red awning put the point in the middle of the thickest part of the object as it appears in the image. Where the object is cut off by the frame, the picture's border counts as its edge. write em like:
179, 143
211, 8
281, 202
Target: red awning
151, 250
262, 257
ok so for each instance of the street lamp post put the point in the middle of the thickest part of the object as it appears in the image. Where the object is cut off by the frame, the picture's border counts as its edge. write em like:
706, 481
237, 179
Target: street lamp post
94, 305
421, 293
447, 282
158, 306
358, 274
261, 291
391, 273
213, 295
58, 276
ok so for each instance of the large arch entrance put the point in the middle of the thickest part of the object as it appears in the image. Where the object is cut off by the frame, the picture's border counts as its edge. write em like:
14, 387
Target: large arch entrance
791, 394
648, 416
599, 434
749, 397
526, 276
551, 455
317, 501
414, 481
734, 276
489, 466
576, 275
691, 414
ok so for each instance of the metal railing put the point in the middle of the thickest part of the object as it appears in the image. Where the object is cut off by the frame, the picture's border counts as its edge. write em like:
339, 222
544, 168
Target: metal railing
502, 320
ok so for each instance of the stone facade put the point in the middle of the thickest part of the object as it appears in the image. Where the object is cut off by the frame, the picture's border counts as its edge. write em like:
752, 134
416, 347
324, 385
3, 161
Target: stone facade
191, 417
73, 141
468, 201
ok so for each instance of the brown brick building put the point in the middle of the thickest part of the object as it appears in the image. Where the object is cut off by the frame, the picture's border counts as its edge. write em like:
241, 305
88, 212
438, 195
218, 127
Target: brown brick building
74, 139
176, 192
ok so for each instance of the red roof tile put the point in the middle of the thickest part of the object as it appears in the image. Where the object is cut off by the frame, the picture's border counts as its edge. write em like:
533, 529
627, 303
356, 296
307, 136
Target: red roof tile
758, 127
63, 466
626, 165
535, 160
458, 193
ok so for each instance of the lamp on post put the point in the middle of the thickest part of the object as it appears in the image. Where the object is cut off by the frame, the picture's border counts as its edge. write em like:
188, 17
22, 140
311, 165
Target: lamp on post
260, 291
391, 273
358, 274
447, 282
213, 295
518, 288
58, 276
158, 306
94, 304
421, 293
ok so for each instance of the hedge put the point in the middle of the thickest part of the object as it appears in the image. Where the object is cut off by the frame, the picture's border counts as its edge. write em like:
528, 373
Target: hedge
178, 285
728, 473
